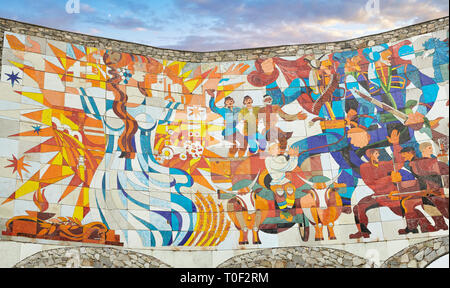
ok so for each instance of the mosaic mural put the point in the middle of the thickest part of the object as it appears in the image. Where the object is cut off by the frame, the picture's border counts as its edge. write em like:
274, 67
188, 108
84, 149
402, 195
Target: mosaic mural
106, 147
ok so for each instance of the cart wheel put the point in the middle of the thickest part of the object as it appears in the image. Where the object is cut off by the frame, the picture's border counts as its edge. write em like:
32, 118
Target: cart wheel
303, 228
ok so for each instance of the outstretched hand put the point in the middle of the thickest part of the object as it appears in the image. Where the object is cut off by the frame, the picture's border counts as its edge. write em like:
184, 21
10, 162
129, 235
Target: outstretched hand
213, 80
210, 92
238, 69
415, 120
395, 137
214, 76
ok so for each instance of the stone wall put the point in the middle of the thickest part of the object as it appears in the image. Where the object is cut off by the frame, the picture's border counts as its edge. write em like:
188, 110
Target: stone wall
90, 257
298, 257
7, 25
418, 255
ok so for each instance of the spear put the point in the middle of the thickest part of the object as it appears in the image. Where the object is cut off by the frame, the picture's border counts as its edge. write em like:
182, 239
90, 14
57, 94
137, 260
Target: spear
398, 114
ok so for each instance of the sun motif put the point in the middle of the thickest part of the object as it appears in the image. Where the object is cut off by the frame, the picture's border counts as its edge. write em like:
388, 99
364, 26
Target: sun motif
18, 165
77, 137
78, 154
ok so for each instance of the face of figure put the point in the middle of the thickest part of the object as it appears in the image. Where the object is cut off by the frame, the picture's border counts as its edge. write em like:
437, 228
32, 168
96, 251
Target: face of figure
229, 103
358, 137
352, 65
351, 113
386, 57
374, 157
274, 149
325, 67
324, 74
427, 151
268, 101
248, 103
138, 73
268, 66
113, 58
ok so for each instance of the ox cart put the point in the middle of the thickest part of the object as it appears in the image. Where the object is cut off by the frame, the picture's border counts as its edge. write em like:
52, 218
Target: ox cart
273, 219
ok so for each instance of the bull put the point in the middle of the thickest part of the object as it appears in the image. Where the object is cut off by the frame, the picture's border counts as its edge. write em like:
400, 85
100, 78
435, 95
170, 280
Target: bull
322, 206
246, 210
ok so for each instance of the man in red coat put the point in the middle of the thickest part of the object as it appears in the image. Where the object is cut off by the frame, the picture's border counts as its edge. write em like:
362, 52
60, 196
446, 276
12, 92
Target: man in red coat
381, 177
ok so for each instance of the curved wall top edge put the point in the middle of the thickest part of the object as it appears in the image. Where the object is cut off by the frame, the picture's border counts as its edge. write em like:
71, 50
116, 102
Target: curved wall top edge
7, 25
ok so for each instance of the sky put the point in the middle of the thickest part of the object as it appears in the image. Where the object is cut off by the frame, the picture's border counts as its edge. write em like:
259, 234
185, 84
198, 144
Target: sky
212, 25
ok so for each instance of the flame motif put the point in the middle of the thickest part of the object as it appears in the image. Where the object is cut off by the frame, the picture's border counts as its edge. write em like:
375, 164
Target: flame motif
40, 200
77, 137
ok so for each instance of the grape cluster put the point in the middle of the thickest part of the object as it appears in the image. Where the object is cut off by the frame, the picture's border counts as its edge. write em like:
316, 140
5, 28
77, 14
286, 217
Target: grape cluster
126, 75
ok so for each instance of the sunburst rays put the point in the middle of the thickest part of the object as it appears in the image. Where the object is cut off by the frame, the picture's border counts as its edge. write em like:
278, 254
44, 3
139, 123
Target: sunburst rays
18, 165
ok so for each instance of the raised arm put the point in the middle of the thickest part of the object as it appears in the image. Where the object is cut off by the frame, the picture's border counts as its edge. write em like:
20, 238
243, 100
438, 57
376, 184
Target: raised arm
212, 105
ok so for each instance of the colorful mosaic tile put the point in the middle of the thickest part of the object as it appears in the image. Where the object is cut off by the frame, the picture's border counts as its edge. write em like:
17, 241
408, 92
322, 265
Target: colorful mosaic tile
99, 146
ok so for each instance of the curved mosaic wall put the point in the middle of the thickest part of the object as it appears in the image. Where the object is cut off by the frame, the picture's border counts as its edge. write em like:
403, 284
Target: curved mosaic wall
99, 146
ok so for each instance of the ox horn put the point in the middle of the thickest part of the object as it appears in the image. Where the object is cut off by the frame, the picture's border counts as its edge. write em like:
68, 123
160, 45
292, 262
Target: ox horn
254, 181
251, 185
306, 181
327, 184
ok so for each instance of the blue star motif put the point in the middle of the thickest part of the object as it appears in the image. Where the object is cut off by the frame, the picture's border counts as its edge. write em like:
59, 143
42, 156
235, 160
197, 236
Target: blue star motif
37, 129
13, 78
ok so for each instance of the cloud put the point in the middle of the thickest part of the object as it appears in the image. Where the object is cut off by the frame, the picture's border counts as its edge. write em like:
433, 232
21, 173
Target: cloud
94, 31
124, 22
44, 12
284, 22
86, 8
210, 25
